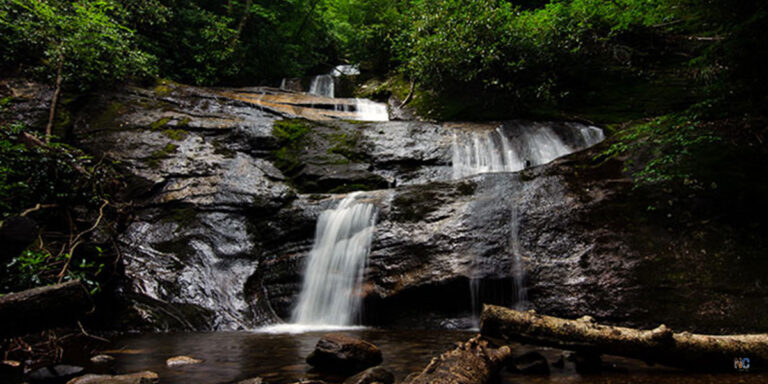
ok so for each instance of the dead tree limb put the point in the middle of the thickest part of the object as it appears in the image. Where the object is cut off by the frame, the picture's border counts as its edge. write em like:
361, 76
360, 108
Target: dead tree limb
54, 99
410, 94
475, 361
659, 345
43, 308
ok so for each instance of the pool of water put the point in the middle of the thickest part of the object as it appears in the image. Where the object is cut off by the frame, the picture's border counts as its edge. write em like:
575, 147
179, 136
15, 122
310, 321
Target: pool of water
279, 358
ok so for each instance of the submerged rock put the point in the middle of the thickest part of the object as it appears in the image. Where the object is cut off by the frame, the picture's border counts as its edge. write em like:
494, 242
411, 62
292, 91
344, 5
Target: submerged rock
178, 361
57, 372
372, 375
102, 359
145, 377
255, 380
336, 353
531, 363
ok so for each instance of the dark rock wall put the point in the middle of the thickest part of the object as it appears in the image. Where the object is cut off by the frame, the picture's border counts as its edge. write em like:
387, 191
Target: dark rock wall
217, 227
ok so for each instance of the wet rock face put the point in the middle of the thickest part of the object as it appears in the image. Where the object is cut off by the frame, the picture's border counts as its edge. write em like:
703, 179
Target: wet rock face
222, 222
201, 175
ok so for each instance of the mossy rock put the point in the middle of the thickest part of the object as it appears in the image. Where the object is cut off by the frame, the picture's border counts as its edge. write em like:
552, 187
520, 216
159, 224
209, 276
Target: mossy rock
159, 123
175, 134
159, 155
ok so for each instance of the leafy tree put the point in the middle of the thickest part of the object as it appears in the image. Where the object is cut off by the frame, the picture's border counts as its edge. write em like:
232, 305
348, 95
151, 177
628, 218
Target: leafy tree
72, 44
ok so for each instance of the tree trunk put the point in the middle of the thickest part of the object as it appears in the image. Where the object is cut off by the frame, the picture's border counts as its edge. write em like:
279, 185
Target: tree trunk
304, 21
42, 308
660, 345
54, 101
475, 361
241, 24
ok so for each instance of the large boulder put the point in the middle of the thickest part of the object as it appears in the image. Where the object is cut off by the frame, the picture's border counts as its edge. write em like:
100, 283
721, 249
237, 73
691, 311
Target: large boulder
336, 353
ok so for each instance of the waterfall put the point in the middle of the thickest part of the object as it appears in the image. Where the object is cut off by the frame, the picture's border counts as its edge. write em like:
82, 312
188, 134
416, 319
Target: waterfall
514, 148
330, 292
322, 85
368, 110
511, 147
345, 70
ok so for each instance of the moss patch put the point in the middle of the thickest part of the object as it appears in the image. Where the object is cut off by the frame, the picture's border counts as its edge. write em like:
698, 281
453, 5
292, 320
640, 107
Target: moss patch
159, 123
163, 89
157, 156
175, 134
346, 144
220, 148
108, 117
291, 136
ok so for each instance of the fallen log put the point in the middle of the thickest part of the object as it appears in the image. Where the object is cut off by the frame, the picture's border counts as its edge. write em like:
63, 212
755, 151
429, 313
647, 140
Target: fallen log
475, 361
43, 308
660, 345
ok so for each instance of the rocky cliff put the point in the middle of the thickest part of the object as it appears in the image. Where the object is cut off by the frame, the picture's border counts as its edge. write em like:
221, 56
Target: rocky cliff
225, 198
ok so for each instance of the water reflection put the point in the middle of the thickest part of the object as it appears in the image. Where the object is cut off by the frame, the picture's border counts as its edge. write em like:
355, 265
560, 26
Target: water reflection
279, 358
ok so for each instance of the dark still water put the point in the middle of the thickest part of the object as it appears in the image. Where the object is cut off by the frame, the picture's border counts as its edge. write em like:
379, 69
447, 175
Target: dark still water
279, 358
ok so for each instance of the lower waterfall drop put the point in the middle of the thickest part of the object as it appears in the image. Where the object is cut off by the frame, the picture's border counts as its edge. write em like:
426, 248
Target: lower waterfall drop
330, 292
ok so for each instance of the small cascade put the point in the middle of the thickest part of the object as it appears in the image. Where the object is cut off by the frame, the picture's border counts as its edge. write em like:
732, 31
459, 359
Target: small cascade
330, 292
322, 85
368, 110
516, 147
518, 269
283, 82
345, 70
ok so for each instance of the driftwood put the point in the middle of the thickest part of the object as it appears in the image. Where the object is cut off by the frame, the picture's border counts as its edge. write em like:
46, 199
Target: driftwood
42, 308
475, 361
659, 345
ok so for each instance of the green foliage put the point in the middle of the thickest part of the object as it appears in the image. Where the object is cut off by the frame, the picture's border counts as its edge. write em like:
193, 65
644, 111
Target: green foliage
36, 267
82, 38
667, 149
523, 56
364, 30
63, 180
31, 174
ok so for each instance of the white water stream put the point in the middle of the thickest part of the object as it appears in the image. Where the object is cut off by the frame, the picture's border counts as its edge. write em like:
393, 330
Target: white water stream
330, 294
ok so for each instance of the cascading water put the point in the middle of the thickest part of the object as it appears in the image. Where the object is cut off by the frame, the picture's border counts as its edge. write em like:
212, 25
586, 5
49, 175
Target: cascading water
345, 70
368, 110
507, 149
322, 85
330, 292
512, 148
518, 269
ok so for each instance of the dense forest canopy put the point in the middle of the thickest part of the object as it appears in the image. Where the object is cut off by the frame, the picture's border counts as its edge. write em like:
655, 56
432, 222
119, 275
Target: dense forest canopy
526, 47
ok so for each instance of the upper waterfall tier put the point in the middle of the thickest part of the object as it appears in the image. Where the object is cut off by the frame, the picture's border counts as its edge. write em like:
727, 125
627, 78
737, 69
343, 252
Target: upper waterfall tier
322, 85
318, 104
